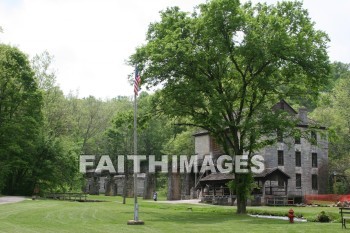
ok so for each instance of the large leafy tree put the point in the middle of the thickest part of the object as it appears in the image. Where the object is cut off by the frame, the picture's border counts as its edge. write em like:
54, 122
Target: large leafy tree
224, 66
54, 166
20, 119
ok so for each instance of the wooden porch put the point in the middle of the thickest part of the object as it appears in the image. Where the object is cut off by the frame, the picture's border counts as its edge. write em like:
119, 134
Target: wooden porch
274, 187
215, 191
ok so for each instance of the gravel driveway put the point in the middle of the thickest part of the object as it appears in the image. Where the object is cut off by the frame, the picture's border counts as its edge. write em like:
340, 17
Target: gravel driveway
11, 199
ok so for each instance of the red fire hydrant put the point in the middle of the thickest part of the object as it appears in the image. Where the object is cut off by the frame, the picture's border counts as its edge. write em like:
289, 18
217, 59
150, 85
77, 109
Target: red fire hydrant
291, 215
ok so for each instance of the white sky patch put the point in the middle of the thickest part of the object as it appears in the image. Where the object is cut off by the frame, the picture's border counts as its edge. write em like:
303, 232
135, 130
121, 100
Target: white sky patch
92, 39
238, 37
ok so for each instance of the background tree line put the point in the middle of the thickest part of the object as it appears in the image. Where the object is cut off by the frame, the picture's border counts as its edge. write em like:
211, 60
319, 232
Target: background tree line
333, 111
43, 131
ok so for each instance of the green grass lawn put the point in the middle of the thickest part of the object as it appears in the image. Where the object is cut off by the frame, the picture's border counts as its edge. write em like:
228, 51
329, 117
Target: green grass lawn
112, 216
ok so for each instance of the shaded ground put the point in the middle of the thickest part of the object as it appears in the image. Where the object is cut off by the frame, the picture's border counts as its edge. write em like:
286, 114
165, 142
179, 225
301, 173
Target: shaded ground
11, 199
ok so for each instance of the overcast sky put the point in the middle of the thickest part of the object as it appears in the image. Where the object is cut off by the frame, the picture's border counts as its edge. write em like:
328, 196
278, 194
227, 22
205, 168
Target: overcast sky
92, 39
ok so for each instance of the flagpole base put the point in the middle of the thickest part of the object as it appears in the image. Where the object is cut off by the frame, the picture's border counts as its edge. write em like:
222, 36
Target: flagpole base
138, 222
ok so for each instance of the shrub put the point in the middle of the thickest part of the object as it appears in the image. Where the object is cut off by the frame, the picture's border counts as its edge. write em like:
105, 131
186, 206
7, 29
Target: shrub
323, 217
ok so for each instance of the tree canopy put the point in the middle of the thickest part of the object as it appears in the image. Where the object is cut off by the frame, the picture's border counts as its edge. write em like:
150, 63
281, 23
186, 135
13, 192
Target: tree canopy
333, 111
224, 66
20, 118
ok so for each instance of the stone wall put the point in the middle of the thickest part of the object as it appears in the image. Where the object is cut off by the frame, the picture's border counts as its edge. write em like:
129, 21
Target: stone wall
120, 182
202, 145
111, 186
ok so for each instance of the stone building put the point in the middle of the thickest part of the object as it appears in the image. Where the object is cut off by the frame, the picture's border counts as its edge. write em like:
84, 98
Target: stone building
293, 166
114, 185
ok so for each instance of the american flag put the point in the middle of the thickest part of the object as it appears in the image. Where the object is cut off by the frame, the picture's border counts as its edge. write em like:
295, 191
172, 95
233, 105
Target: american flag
137, 82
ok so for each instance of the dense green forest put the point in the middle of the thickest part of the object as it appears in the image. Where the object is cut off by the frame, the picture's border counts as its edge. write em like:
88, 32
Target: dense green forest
333, 111
43, 131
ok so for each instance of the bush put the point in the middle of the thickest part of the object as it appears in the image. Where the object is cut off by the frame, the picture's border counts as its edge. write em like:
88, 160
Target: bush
322, 217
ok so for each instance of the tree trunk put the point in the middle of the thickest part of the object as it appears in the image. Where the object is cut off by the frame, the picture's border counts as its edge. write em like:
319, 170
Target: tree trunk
241, 192
170, 187
108, 184
241, 204
177, 186
174, 184
125, 188
126, 177
150, 185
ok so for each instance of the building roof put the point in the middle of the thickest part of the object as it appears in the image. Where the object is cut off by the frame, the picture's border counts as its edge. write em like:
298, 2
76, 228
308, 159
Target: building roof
283, 105
201, 133
218, 177
268, 172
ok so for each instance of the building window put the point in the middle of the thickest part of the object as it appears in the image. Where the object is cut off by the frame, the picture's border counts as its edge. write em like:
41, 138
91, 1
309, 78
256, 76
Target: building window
298, 159
279, 136
298, 180
280, 158
314, 159
314, 182
313, 138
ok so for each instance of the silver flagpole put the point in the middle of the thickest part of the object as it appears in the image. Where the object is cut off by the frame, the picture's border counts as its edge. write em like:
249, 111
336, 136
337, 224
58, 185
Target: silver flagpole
136, 220
136, 217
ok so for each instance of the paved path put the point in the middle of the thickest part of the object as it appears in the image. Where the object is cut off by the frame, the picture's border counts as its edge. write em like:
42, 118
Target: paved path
191, 201
11, 199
